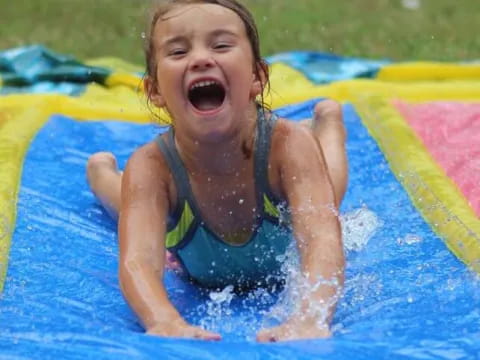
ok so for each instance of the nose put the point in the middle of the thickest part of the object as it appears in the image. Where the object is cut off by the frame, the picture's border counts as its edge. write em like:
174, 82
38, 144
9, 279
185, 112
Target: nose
201, 60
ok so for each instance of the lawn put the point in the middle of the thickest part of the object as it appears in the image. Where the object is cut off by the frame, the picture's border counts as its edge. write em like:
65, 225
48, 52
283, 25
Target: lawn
444, 30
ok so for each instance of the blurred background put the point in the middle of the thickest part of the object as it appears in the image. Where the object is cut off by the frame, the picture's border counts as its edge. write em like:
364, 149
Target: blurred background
445, 30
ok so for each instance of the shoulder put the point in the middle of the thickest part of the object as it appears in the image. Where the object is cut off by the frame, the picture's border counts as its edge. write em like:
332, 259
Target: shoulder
294, 141
294, 150
147, 173
147, 158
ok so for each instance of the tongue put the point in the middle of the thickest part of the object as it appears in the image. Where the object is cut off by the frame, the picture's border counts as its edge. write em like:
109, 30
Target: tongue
206, 103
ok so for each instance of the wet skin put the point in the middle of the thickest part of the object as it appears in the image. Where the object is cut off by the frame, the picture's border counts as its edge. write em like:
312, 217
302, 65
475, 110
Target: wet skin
194, 43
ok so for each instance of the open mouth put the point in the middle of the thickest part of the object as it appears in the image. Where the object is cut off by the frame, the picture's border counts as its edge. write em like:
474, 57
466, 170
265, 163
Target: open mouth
206, 95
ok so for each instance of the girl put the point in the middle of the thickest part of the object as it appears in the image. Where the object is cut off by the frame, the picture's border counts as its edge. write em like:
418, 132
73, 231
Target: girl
229, 186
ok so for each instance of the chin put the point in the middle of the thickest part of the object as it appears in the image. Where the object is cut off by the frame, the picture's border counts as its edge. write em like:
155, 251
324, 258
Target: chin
213, 127
214, 135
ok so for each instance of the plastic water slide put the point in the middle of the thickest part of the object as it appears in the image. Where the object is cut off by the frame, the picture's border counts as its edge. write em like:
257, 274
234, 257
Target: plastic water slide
411, 215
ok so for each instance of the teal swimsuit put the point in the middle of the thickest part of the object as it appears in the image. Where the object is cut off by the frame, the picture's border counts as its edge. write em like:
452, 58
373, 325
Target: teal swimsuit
206, 258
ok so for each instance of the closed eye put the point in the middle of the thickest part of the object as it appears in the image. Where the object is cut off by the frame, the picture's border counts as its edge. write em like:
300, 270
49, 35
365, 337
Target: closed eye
222, 46
177, 52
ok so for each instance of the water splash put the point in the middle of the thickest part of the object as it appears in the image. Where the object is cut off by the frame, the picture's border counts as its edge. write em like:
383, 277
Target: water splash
217, 308
268, 307
358, 227
296, 297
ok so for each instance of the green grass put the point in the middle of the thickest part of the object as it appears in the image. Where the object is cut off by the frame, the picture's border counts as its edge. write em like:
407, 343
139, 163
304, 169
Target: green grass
439, 30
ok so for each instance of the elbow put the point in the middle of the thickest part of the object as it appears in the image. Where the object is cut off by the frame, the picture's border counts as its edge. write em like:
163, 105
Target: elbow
124, 277
132, 271
127, 272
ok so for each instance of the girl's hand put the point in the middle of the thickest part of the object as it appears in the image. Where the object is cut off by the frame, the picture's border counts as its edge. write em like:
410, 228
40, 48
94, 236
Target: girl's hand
294, 329
180, 328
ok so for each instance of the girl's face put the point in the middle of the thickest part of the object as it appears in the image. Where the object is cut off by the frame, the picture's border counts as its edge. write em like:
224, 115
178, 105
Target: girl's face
205, 70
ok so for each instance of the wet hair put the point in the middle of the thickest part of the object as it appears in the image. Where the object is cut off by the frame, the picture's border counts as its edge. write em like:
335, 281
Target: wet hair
164, 6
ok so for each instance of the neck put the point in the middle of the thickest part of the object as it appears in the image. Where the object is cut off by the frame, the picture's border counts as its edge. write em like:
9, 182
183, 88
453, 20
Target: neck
226, 156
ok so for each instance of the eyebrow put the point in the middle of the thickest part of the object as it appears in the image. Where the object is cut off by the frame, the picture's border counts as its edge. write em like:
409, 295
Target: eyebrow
219, 32
182, 38
173, 40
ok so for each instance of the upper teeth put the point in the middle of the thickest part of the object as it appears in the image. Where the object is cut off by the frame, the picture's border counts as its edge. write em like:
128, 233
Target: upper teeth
203, 83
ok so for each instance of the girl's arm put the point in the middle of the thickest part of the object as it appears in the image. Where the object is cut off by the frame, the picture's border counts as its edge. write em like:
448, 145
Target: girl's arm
307, 187
142, 228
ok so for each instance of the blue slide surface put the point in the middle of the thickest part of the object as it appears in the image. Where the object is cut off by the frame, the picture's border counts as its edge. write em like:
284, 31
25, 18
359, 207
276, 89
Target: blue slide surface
406, 295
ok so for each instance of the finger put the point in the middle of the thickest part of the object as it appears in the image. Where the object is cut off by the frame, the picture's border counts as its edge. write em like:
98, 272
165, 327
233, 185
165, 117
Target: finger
199, 333
208, 335
267, 335
156, 332
326, 334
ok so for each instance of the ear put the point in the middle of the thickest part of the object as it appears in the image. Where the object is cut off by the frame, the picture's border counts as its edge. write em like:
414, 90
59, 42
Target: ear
152, 92
259, 79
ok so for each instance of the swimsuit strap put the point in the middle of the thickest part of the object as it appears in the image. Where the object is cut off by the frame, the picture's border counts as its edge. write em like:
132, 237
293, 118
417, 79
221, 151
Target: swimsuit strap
265, 125
261, 153
179, 173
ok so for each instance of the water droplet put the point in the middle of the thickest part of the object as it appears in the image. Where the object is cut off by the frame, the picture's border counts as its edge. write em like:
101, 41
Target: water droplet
280, 258
143, 35
241, 201
409, 239
412, 239
224, 296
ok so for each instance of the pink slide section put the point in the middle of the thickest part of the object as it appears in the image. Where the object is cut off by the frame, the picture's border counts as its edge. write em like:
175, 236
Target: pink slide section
451, 133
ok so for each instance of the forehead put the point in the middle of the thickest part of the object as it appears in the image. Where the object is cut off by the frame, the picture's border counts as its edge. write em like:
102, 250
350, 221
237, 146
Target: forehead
186, 20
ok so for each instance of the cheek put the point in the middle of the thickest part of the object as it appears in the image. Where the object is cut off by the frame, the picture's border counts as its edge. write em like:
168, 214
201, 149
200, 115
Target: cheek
168, 79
